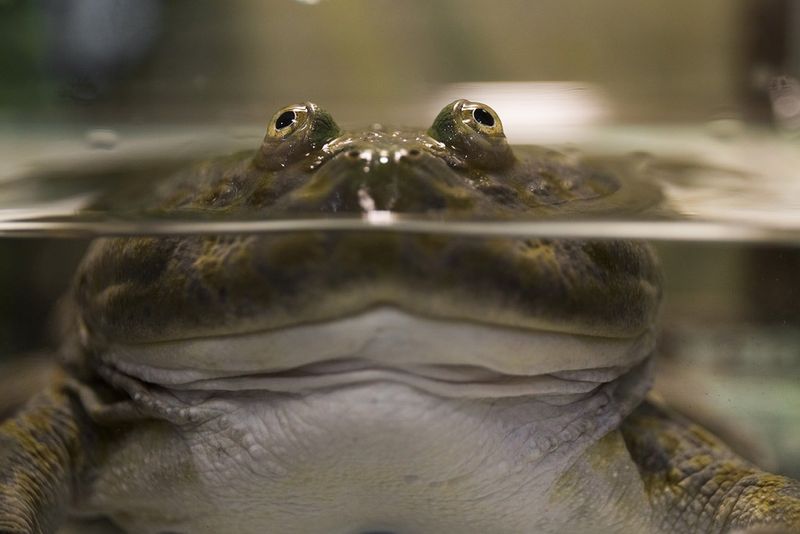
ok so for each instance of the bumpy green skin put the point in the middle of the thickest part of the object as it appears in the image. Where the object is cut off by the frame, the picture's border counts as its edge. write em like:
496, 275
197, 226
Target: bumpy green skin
148, 289
44, 452
697, 485
141, 289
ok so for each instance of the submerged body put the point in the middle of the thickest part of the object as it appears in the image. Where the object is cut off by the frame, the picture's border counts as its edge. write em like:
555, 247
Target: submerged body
323, 382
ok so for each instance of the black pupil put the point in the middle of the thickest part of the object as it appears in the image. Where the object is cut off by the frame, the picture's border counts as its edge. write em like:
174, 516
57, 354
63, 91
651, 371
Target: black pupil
483, 117
285, 119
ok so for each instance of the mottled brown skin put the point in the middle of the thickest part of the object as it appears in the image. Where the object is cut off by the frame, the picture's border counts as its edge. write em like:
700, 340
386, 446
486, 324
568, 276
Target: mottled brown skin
44, 453
248, 283
697, 484
142, 289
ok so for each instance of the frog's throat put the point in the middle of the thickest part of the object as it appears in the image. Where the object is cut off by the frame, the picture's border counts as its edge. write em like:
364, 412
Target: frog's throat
451, 359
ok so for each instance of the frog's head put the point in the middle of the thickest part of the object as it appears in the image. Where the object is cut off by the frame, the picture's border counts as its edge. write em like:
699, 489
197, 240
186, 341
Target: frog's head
273, 302
461, 166
399, 170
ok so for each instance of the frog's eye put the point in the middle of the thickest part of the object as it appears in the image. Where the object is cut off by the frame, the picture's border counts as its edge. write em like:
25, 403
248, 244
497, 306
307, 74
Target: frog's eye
481, 118
287, 120
295, 132
474, 131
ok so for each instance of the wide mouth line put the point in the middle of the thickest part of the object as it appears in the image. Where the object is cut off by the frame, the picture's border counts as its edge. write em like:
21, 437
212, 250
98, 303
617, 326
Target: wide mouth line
448, 358
388, 337
452, 381
483, 322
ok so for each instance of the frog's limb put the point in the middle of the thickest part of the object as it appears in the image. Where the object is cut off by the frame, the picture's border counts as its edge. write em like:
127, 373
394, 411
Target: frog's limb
43, 452
696, 484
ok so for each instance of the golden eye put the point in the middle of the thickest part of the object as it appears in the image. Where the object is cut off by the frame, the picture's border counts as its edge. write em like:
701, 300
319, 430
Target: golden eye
481, 118
287, 120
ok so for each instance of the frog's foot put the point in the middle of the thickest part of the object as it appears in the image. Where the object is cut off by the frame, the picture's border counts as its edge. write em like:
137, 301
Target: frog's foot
696, 484
43, 450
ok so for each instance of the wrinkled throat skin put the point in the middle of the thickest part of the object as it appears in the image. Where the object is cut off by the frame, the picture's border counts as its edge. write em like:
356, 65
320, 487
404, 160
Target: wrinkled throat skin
354, 382
327, 382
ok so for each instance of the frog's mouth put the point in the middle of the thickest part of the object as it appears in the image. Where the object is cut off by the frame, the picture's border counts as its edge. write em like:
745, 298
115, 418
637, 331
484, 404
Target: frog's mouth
446, 358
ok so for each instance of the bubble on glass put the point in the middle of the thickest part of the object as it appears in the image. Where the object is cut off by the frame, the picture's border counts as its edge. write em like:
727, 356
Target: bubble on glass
784, 94
102, 139
725, 128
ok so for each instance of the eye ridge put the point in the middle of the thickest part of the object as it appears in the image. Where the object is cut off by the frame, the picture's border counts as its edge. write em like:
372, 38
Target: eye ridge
482, 116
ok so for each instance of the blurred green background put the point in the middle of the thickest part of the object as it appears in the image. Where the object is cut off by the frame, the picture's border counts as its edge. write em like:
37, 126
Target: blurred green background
202, 60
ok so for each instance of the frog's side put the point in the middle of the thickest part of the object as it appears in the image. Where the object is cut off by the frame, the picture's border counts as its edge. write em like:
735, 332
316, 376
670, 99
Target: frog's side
353, 382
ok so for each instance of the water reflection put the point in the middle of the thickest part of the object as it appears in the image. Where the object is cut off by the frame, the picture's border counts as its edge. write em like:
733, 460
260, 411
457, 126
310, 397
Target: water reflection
731, 188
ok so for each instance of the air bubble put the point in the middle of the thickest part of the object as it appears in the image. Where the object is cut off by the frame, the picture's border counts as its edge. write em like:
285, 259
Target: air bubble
725, 128
102, 139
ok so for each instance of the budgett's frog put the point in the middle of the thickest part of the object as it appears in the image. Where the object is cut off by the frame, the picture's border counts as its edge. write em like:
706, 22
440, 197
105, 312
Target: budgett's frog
373, 381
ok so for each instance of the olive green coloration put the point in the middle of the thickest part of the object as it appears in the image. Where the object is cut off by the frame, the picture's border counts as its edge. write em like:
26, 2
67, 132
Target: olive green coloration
698, 485
138, 290
145, 434
44, 452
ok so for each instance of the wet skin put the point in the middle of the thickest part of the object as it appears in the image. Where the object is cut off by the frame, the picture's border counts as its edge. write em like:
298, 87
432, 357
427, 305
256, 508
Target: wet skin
373, 381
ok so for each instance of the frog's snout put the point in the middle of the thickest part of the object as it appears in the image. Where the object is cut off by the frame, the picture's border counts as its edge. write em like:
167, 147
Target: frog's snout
395, 177
393, 167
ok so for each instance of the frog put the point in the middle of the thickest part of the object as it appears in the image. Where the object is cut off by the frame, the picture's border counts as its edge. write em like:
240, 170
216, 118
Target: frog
365, 380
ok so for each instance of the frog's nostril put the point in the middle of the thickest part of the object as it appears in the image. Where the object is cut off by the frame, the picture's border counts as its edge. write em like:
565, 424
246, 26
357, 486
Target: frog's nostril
413, 153
353, 154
